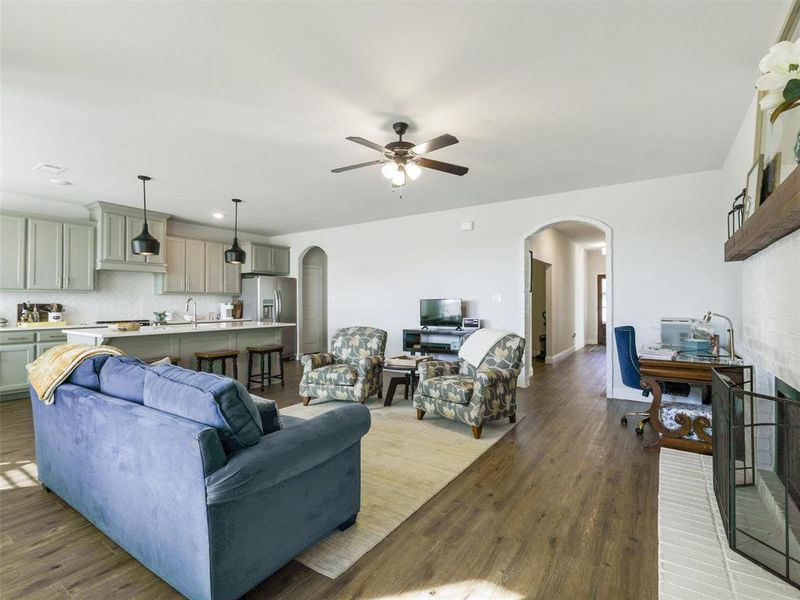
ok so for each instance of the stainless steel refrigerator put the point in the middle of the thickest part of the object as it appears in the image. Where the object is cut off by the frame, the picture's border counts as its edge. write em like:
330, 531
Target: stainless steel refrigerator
272, 299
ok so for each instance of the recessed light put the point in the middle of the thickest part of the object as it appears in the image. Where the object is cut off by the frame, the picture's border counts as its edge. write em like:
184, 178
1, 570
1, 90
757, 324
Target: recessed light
49, 169
218, 216
60, 182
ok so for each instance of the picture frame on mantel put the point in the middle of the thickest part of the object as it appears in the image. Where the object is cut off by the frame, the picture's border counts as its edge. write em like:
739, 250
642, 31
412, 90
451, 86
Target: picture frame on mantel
752, 190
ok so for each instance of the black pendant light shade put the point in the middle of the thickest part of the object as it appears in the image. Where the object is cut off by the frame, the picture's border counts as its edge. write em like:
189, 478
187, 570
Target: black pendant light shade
144, 243
235, 255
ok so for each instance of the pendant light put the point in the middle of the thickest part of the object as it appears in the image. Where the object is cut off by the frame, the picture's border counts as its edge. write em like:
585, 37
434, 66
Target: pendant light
144, 243
235, 255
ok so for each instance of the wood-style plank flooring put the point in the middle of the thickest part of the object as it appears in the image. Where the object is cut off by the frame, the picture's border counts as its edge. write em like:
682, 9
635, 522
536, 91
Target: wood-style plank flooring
563, 507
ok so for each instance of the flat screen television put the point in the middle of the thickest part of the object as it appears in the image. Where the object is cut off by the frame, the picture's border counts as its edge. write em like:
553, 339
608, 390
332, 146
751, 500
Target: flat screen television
440, 312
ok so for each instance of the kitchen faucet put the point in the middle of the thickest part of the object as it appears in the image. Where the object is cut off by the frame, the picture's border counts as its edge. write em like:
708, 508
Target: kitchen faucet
707, 319
194, 311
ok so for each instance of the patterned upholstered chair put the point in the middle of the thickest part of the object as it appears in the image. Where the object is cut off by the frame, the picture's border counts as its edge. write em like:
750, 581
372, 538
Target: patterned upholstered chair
352, 370
474, 394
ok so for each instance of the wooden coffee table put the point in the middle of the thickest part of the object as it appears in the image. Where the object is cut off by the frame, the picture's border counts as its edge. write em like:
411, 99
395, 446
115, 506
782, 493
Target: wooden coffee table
409, 378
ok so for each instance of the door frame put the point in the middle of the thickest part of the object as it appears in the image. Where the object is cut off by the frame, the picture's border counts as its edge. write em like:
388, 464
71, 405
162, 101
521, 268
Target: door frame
601, 276
301, 257
524, 283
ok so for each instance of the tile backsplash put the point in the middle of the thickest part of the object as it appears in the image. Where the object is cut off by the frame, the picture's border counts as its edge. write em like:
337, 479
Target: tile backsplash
119, 295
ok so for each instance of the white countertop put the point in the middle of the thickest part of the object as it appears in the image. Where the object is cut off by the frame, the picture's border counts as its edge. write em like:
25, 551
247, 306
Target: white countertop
209, 327
54, 325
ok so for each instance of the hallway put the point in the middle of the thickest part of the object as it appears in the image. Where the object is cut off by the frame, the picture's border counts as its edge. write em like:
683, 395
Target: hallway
563, 507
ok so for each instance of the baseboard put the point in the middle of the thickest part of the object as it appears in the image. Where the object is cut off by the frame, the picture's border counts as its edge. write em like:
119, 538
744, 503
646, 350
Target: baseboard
590, 342
560, 356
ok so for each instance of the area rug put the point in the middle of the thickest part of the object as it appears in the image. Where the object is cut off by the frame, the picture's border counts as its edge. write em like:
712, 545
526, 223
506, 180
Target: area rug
694, 559
404, 463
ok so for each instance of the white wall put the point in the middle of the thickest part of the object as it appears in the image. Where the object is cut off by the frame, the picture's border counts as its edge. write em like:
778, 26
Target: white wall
668, 237
595, 265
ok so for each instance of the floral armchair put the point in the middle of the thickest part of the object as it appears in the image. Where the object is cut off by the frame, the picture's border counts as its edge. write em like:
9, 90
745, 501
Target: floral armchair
352, 370
475, 395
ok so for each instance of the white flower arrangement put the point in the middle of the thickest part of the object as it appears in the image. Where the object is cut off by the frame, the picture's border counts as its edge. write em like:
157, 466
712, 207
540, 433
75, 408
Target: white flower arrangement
780, 79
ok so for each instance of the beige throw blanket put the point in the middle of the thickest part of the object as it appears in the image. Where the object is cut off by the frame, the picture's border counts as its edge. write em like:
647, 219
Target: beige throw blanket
50, 370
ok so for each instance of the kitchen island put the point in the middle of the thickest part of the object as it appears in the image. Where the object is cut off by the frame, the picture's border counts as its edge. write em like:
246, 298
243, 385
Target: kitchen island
183, 341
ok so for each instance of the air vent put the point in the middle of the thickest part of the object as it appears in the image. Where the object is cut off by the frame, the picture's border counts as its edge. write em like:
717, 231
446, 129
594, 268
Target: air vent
49, 169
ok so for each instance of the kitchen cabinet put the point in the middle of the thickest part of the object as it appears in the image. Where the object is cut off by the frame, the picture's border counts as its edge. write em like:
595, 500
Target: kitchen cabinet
232, 279
44, 254
198, 267
117, 226
215, 263
13, 358
265, 259
195, 266
175, 278
12, 252
78, 265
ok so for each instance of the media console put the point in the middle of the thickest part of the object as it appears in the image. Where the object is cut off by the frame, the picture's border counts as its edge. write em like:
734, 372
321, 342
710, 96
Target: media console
427, 341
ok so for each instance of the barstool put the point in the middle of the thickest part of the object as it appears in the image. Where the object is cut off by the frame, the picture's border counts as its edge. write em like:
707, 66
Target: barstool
222, 355
261, 352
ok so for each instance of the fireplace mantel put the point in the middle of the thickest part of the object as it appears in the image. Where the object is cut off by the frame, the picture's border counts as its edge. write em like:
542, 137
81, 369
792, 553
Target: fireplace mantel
776, 218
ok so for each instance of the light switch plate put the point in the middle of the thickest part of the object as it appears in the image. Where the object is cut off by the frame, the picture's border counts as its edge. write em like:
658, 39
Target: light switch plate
467, 225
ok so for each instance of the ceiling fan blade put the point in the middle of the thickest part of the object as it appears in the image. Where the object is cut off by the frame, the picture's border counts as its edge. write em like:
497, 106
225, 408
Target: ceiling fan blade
358, 166
368, 144
438, 142
442, 166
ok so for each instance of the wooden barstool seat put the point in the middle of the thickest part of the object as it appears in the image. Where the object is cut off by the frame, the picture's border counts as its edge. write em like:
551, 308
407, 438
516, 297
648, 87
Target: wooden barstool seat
212, 356
262, 352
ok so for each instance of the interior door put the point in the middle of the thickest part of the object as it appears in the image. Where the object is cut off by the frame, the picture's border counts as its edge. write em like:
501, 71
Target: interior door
313, 334
602, 309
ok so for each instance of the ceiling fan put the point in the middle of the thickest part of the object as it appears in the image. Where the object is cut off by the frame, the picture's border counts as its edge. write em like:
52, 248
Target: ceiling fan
402, 160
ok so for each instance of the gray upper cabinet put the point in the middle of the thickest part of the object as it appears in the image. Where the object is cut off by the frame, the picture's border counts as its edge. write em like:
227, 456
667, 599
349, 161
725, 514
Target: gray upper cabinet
78, 257
232, 279
112, 244
195, 266
266, 259
215, 262
175, 279
280, 260
117, 226
12, 252
45, 254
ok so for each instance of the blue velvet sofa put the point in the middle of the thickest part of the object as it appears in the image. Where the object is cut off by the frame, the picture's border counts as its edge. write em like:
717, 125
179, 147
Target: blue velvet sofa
209, 489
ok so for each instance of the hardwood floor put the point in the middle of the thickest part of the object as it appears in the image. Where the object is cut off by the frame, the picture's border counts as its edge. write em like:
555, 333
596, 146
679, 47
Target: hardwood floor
564, 506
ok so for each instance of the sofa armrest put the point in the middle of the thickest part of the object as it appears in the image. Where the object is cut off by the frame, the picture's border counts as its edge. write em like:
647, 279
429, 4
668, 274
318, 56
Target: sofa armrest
287, 453
315, 361
493, 375
268, 411
501, 382
437, 368
367, 364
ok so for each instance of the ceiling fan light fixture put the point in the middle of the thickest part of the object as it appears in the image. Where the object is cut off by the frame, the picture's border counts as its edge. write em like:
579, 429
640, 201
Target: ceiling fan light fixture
412, 170
389, 169
399, 178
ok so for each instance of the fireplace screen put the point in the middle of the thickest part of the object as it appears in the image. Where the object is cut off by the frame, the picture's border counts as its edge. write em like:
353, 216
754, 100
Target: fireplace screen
757, 470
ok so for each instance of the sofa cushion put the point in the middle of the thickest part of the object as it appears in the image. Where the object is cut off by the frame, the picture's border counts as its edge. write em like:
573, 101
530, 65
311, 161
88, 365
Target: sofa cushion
123, 377
217, 401
87, 374
334, 375
452, 388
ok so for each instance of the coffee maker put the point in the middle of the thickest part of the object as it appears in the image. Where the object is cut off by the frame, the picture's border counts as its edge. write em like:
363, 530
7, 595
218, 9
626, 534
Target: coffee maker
226, 311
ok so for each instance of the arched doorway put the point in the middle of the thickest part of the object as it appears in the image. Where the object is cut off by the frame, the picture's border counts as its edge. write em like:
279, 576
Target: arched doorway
529, 258
312, 326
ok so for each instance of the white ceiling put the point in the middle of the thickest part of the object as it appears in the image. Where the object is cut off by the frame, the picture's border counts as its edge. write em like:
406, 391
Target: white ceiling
585, 236
254, 100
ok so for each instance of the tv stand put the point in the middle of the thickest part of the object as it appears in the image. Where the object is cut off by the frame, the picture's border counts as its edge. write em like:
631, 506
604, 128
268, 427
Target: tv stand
434, 341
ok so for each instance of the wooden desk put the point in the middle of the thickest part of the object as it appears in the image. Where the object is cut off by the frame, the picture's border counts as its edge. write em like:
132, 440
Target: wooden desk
683, 369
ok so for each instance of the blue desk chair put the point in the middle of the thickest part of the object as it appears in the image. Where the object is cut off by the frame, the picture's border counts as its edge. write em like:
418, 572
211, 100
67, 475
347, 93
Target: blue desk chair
632, 377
